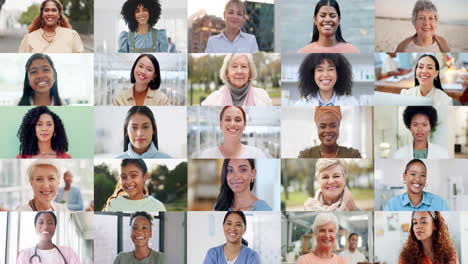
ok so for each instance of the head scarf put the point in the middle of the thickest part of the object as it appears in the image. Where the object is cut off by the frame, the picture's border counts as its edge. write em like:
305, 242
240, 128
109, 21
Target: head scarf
334, 110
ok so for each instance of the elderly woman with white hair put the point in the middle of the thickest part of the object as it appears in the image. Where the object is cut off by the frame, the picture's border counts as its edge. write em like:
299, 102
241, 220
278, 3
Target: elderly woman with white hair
325, 228
333, 194
424, 20
237, 72
44, 177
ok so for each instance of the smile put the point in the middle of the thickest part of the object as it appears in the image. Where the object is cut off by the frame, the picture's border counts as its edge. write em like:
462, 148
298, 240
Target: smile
325, 81
424, 77
45, 232
416, 185
139, 238
141, 77
46, 194
332, 188
130, 188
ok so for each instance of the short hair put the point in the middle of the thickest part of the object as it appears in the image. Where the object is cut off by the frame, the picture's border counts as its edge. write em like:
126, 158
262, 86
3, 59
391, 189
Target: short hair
41, 163
45, 212
423, 5
232, 56
323, 164
334, 4
143, 110
156, 82
239, 4
323, 219
27, 132
128, 12
236, 106
411, 162
28, 92
351, 235
428, 111
344, 73
141, 213
226, 196
436, 82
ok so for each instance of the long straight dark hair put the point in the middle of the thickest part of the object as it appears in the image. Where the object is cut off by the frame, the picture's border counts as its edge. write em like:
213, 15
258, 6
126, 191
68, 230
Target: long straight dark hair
334, 4
28, 92
244, 220
436, 82
226, 196
144, 110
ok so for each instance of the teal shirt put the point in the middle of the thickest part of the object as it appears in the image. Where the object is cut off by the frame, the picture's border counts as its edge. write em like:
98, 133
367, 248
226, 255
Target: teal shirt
127, 257
420, 154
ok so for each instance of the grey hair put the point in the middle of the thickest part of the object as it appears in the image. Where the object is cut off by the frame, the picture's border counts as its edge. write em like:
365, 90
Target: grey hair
425, 5
323, 219
40, 163
232, 56
323, 164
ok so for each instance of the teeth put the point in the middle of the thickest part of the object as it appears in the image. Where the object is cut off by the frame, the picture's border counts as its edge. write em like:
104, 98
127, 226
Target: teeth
417, 185
325, 81
45, 232
139, 238
130, 187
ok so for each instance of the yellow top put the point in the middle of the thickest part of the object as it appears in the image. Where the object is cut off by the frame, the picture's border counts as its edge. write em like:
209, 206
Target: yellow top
65, 41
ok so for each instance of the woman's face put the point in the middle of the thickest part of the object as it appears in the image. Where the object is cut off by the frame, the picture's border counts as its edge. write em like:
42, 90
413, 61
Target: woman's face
332, 182
234, 228
426, 24
420, 127
41, 76
45, 128
44, 182
239, 175
141, 14
327, 21
50, 14
326, 235
133, 181
45, 227
415, 178
141, 231
140, 132
325, 76
238, 72
328, 128
144, 71
423, 225
234, 16
426, 71
232, 123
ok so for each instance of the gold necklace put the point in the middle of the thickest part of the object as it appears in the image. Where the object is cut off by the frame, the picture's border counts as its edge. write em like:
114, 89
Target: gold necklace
48, 38
323, 156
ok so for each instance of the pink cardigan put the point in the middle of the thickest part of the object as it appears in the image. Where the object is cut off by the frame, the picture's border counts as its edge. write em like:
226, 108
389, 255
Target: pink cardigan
222, 97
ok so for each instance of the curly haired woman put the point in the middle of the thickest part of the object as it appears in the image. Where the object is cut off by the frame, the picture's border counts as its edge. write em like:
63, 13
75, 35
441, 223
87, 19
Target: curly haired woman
429, 241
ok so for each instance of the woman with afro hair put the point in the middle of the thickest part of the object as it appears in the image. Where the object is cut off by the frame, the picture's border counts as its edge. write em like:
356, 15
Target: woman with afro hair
42, 135
141, 16
429, 240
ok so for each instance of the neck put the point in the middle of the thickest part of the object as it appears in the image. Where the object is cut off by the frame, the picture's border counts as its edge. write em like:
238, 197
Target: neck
140, 151
331, 151
42, 99
323, 253
420, 145
49, 28
426, 88
415, 198
142, 29
41, 205
421, 41
139, 88
139, 196
45, 245
44, 147
233, 247
67, 187
327, 41
330, 201
243, 201
142, 252
231, 147
352, 250
231, 33
427, 245
326, 95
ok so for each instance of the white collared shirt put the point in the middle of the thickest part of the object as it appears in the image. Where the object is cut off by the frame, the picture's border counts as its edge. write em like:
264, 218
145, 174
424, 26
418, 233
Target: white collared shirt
243, 43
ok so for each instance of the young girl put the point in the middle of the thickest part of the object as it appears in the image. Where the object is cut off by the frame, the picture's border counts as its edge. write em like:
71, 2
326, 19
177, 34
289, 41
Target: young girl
130, 193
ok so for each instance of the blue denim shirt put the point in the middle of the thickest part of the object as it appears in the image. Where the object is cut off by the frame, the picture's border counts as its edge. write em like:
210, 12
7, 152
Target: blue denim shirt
430, 202
151, 153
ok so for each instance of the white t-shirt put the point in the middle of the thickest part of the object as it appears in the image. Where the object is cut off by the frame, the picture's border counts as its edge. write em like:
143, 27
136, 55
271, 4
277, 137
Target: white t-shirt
55, 206
149, 203
353, 258
247, 152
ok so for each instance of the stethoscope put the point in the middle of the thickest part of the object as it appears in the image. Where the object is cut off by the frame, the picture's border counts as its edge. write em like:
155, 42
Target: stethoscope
39, 257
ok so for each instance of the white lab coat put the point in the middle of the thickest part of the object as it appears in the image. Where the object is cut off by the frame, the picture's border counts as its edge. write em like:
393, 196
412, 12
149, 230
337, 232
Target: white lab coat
339, 101
434, 152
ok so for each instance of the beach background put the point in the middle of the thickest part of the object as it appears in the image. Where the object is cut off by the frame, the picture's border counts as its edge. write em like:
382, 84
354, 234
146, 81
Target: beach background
393, 23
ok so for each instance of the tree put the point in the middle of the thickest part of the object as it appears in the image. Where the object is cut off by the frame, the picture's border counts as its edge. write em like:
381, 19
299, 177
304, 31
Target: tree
27, 17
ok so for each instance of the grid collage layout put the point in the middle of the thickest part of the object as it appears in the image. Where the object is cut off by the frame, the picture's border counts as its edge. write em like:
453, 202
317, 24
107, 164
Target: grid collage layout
234, 131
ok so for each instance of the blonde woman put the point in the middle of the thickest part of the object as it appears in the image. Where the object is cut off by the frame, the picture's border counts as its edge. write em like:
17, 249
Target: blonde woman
237, 72
333, 194
44, 177
231, 38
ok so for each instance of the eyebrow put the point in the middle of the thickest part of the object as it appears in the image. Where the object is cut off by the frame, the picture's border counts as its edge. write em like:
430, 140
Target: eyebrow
428, 64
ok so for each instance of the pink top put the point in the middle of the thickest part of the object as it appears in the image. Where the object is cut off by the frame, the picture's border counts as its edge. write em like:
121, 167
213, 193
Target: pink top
341, 47
59, 156
312, 259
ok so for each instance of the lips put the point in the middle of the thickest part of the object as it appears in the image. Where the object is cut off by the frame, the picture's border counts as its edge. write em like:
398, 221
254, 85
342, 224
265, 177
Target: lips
130, 188
42, 84
141, 77
45, 232
420, 134
46, 194
140, 140
424, 77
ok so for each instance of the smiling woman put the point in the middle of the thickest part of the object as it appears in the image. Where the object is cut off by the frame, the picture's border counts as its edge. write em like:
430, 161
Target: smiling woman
50, 31
131, 193
146, 79
141, 225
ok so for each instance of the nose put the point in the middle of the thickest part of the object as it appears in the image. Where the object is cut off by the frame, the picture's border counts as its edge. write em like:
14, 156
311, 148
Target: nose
138, 131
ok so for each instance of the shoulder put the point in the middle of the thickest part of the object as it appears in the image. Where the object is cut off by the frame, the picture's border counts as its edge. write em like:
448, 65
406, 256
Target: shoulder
443, 45
403, 152
69, 250
349, 152
309, 48
252, 255
341, 259
122, 96
215, 250
253, 152
154, 204
123, 155
346, 100
123, 35
442, 95
24, 207
63, 155
159, 97
394, 203
309, 100
261, 205
210, 153
214, 99
402, 46
123, 256
346, 47
312, 152
261, 97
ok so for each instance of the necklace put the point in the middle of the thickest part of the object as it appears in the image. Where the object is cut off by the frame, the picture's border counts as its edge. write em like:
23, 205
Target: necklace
323, 156
32, 204
48, 38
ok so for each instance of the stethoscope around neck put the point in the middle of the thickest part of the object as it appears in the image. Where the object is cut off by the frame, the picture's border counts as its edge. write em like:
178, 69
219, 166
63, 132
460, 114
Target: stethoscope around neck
39, 257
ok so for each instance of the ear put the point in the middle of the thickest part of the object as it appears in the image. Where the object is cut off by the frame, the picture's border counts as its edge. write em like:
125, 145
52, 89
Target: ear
254, 173
145, 176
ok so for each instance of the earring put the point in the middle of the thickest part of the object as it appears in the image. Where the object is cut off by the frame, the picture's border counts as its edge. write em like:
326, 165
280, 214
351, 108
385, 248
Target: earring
252, 180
